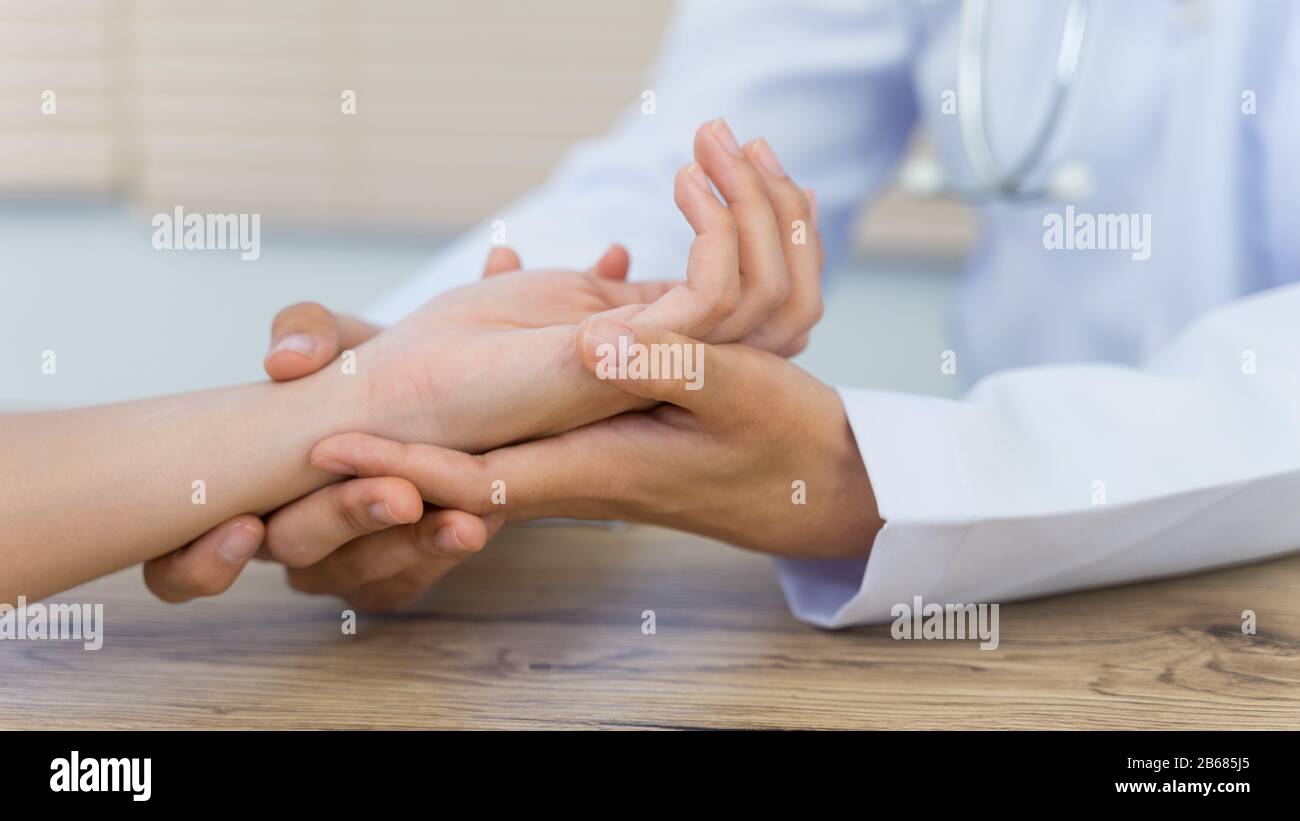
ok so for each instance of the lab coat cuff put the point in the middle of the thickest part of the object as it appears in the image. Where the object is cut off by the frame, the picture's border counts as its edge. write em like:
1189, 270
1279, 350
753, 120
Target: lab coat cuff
909, 447
908, 444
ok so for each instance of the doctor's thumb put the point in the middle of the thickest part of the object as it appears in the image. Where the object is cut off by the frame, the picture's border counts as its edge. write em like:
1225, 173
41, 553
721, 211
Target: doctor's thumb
648, 362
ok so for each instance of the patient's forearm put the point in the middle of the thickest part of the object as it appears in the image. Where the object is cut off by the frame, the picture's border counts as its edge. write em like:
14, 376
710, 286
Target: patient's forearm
86, 492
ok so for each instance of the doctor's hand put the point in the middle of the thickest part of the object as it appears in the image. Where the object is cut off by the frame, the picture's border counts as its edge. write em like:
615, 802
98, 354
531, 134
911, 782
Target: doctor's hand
761, 456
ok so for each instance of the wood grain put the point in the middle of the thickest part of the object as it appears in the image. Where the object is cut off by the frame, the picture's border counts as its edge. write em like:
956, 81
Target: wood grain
543, 630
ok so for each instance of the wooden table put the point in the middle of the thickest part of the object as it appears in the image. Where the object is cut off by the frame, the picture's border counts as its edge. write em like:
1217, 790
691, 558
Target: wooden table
544, 630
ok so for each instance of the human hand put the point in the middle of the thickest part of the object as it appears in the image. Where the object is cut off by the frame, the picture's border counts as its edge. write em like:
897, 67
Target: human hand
338, 540
775, 252
761, 456
494, 362
375, 562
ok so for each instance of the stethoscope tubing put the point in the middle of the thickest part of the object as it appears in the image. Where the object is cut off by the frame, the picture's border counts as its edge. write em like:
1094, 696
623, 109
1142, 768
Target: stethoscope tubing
994, 182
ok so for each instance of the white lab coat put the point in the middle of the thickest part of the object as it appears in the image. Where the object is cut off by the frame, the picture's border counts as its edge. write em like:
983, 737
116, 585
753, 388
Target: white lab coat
1047, 478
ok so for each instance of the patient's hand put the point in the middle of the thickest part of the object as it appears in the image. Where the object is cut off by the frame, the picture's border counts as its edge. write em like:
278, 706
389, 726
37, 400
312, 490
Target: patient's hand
353, 523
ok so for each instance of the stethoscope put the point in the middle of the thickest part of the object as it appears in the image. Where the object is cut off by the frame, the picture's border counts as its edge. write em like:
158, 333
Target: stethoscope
993, 181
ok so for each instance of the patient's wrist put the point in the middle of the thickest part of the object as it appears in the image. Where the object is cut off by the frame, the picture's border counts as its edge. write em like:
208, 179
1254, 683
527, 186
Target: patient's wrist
471, 391
337, 399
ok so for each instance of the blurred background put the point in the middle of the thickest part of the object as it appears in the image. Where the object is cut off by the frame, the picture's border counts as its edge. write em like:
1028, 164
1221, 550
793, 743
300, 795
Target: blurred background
235, 106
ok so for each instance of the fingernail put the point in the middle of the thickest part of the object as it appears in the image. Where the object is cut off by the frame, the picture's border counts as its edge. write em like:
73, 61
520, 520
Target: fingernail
698, 177
239, 545
334, 466
723, 132
812, 205
445, 537
606, 332
298, 343
767, 158
382, 513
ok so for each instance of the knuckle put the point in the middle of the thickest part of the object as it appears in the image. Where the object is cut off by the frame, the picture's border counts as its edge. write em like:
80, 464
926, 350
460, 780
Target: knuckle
199, 583
420, 535
406, 455
478, 501
285, 551
305, 312
817, 312
350, 519
302, 582
349, 516
776, 290
724, 303
727, 228
797, 346
161, 590
801, 314
752, 184
357, 566
805, 311
791, 200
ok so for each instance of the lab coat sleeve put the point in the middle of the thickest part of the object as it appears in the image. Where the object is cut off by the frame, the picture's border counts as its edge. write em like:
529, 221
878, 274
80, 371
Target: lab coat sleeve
1058, 478
826, 81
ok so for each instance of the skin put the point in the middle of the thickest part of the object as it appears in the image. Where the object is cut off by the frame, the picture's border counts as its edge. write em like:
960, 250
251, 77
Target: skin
721, 461
90, 491
381, 568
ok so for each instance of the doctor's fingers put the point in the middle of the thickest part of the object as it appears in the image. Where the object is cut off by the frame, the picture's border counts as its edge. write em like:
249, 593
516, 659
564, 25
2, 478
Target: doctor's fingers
785, 330
764, 274
434, 545
774, 295
708, 380
306, 337
208, 565
778, 254
579, 473
309, 529
712, 287
399, 590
